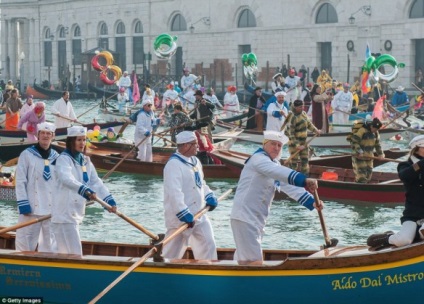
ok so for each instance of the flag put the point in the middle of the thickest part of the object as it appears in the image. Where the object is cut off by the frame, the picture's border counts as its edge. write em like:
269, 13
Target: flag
378, 108
367, 52
365, 81
136, 91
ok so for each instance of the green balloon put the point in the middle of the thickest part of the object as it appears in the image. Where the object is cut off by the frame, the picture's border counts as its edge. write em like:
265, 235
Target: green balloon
385, 59
251, 59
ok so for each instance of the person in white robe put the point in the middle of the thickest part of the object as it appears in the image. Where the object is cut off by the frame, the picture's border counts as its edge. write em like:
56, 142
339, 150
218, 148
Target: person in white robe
292, 84
231, 102
276, 113
185, 194
63, 111
125, 82
35, 191
342, 105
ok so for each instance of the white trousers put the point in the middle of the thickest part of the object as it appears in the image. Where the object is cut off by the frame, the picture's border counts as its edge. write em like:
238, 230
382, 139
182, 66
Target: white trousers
340, 118
145, 149
200, 238
248, 240
28, 237
406, 234
67, 238
292, 95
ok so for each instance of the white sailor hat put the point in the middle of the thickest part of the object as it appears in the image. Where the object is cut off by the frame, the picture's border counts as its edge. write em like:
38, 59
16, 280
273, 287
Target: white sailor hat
277, 136
185, 137
400, 88
46, 126
146, 101
276, 75
279, 93
417, 141
75, 131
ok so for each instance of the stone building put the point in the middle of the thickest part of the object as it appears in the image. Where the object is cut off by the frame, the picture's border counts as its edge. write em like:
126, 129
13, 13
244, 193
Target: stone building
50, 39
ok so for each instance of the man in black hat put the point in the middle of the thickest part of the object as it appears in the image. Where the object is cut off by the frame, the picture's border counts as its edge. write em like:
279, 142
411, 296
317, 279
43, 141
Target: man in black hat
364, 141
255, 115
203, 113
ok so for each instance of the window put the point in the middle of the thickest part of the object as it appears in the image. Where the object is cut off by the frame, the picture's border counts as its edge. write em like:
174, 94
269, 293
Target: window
138, 29
62, 32
77, 31
246, 19
178, 23
76, 51
326, 14
103, 29
138, 50
417, 9
120, 29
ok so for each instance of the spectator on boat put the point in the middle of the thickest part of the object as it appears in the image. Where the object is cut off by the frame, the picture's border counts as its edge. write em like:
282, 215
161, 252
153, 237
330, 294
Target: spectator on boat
231, 102
63, 111
203, 113
27, 107
399, 97
122, 101
297, 132
35, 191
255, 114
211, 97
12, 106
125, 82
261, 176
185, 192
148, 93
363, 142
342, 105
170, 96
292, 86
145, 123
32, 119
9, 85
276, 113
319, 112
179, 119
324, 80
77, 181
278, 83
188, 81
411, 173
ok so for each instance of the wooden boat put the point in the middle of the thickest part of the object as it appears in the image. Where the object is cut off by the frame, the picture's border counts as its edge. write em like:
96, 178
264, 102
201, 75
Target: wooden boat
337, 183
335, 275
323, 141
106, 158
37, 95
100, 93
16, 137
9, 151
55, 94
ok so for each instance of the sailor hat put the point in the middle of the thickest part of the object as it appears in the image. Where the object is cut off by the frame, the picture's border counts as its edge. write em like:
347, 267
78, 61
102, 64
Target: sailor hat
279, 93
400, 89
417, 141
46, 126
75, 131
146, 102
185, 137
277, 136
276, 75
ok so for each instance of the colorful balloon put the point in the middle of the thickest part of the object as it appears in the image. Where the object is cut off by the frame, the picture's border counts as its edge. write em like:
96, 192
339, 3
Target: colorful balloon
165, 46
105, 69
250, 62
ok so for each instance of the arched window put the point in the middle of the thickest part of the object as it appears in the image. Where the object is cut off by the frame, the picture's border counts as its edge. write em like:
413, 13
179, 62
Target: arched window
246, 19
178, 23
138, 29
48, 34
120, 29
62, 32
77, 31
326, 14
417, 9
103, 29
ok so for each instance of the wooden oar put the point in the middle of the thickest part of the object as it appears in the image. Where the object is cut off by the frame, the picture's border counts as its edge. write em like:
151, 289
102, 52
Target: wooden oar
418, 88
286, 121
154, 249
31, 222
97, 105
288, 160
67, 118
328, 241
129, 220
375, 157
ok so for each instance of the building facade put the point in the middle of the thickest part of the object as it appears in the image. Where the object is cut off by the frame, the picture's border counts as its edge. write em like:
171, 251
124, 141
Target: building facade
47, 39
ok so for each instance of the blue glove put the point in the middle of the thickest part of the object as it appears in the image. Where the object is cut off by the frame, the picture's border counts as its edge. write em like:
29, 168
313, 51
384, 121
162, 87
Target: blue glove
84, 191
147, 133
186, 217
211, 201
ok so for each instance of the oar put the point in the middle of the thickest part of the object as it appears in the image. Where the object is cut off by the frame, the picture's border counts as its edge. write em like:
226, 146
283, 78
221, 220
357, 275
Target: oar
377, 158
288, 160
129, 220
31, 222
328, 241
286, 121
97, 105
67, 118
418, 88
155, 249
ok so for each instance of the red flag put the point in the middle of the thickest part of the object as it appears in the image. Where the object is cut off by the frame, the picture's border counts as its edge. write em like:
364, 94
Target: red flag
136, 91
378, 108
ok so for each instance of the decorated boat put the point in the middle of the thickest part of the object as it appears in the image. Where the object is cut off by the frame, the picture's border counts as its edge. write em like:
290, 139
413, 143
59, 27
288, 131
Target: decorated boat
37, 95
56, 94
8, 137
338, 183
352, 274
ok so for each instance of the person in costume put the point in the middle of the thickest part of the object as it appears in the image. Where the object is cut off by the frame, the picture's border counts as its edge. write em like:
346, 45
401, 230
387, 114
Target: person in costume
278, 83
145, 122
399, 97
170, 96
411, 173
12, 106
307, 98
122, 100
35, 191
188, 81
77, 181
261, 176
178, 121
276, 113
231, 102
210, 96
297, 132
255, 115
203, 113
32, 119
319, 111
27, 107
125, 82
148, 93
324, 80
185, 194
292, 86
63, 111
342, 105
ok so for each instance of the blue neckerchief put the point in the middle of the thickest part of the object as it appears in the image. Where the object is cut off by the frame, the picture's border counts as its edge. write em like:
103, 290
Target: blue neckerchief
277, 183
196, 172
78, 157
280, 107
52, 157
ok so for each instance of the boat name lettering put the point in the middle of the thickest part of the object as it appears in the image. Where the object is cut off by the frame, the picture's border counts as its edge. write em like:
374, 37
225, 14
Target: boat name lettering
404, 278
19, 272
38, 284
344, 283
365, 282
